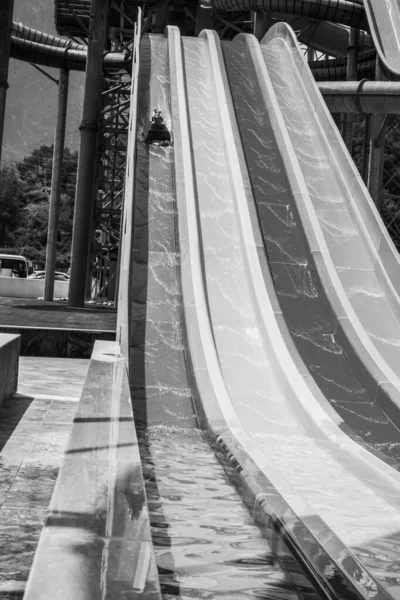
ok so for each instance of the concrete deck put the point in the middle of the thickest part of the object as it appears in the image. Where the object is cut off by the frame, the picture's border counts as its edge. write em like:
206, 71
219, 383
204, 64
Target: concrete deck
39, 314
34, 429
53, 329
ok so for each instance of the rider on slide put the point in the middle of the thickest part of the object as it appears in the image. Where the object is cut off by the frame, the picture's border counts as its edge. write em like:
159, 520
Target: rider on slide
157, 121
158, 132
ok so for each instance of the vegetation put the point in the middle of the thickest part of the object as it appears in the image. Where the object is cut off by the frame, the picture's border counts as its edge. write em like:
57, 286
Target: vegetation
24, 206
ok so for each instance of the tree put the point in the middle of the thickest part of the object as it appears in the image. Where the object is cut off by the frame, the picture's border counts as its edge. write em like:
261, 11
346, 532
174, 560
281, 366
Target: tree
11, 193
35, 169
25, 208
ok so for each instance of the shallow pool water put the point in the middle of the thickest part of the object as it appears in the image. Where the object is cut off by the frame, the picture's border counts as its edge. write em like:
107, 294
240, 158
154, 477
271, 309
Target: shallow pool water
207, 545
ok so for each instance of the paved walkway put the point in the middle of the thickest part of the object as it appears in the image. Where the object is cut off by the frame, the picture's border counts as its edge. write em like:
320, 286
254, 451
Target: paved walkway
34, 429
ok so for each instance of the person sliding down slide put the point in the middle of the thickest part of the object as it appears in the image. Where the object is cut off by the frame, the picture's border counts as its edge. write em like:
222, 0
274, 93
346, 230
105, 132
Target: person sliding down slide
158, 133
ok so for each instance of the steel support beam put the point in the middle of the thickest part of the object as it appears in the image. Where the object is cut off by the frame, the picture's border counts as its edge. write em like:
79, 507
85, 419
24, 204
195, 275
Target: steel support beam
161, 16
112, 143
367, 137
262, 21
89, 127
353, 48
204, 16
55, 195
376, 151
310, 54
6, 22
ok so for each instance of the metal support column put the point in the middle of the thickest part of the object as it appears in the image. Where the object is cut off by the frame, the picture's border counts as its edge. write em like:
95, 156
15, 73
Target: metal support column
204, 16
6, 15
367, 137
55, 194
348, 119
161, 16
87, 152
376, 150
261, 23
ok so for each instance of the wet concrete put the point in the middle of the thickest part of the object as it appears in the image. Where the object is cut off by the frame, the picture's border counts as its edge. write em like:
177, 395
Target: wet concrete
34, 429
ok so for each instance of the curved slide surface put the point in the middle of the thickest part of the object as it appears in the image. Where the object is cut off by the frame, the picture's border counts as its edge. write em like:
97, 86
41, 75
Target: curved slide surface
384, 23
352, 251
234, 172
253, 389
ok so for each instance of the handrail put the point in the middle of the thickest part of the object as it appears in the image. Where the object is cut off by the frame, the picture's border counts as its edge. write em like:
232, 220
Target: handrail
123, 315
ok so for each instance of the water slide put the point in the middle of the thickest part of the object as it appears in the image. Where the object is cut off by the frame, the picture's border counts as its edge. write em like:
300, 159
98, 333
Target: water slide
383, 20
384, 24
257, 261
219, 548
320, 24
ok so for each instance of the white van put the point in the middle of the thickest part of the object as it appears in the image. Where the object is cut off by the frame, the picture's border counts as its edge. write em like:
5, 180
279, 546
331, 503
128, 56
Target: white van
13, 265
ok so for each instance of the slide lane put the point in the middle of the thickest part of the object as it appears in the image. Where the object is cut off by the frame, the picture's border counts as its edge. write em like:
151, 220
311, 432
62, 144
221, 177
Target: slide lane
308, 312
286, 165
159, 384
250, 382
354, 243
204, 538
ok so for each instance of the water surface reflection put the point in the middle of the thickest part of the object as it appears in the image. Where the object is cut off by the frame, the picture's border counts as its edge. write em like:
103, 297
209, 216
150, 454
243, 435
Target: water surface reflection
207, 545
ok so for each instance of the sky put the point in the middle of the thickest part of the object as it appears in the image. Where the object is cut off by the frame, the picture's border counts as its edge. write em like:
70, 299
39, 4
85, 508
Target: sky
32, 98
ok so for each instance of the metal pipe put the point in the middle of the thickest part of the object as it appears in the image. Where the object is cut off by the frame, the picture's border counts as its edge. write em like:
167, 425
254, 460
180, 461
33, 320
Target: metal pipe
6, 14
87, 154
348, 120
330, 38
377, 97
21, 31
365, 70
55, 195
338, 11
59, 57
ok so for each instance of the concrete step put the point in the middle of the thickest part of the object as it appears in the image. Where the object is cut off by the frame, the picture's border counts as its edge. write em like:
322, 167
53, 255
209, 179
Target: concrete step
35, 425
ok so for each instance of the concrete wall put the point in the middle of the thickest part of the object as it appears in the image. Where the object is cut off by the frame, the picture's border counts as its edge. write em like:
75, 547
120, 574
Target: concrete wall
13, 287
9, 357
98, 508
